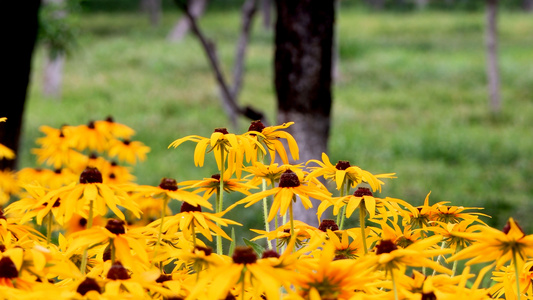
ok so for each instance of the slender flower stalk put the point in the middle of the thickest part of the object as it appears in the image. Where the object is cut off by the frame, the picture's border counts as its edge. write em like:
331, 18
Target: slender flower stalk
517, 276
160, 232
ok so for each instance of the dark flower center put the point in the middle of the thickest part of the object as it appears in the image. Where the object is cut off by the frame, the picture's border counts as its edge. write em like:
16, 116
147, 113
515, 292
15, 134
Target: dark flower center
270, 253
117, 272
91, 175
342, 165
2, 216
256, 126
289, 179
8, 268
207, 250
244, 255
112, 176
221, 130
507, 227
126, 142
109, 119
115, 226
91, 125
186, 207
230, 296
57, 203
429, 296
216, 176
385, 246
107, 253
89, 284
82, 222
363, 191
2, 247
169, 184
57, 171
163, 277
328, 224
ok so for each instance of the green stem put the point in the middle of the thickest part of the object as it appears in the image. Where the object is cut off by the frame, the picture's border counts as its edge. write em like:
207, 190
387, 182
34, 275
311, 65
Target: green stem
113, 251
49, 228
89, 226
341, 214
220, 196
394, 284
193, 235
362, 216
265, 214
442, 246
160, 233
291, 216
243, 282
517, 278
454, 267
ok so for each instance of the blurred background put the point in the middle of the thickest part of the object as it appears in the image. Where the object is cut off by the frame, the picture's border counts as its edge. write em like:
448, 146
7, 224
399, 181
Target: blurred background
410, 89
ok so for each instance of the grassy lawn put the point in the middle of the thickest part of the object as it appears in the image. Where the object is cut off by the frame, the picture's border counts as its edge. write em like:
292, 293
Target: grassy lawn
411, 98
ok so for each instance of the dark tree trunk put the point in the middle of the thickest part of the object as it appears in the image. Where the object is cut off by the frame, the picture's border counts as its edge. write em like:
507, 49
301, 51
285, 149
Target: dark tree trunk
528, 5
303, 62
19, 41
493, 73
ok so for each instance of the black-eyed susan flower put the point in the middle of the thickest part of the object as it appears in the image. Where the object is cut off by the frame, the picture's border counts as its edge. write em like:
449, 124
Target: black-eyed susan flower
289, 187
270, 173
168, 190
84, 137
128, 151
344, 173
271, 137
211, 185
89, 198
8, 185
116, 130
505, 281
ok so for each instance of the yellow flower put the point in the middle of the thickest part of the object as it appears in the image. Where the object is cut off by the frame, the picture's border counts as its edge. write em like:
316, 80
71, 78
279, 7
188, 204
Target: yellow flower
8, 185
6, 153
89, 195
128, 245
343, 172
505, 279
283, 235
212, 185
129, 151
221, 141
495, 245
113, 128
271, 137
192, 220
271, 173
168, 188
289, 186
84, 137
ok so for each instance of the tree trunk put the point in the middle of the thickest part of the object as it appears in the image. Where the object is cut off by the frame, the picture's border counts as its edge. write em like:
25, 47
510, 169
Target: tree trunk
303, 63
153, 9
528, 5
493, 73
19, 41
266, 9
53, 75
182, 27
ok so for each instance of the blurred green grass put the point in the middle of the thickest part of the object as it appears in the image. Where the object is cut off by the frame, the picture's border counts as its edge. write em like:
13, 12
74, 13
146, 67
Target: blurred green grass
411, 99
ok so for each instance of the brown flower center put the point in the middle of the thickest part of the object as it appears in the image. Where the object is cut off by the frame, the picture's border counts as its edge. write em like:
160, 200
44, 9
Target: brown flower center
507, 227
342, 165
117, 272
91, 175
289, 179
8, 268
207, 250
244, 255
429, 296
221, 130
163, 277
328, 224
385, 246
115, 226
169, 184
256, 126
186, 207
363, 191
91, 125
89, 284
216, 177
270, 253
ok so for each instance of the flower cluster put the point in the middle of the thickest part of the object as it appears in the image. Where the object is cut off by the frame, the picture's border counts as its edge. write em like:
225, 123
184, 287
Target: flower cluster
104, 236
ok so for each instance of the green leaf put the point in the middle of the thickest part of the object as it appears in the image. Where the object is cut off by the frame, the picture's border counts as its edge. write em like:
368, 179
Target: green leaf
257, 248
232, 245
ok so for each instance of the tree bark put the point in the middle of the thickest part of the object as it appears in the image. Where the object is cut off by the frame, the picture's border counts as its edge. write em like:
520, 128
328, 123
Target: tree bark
53, 75
303, 67
182, 27
153, 9
19, 40
266, 9
493, 73
528, 5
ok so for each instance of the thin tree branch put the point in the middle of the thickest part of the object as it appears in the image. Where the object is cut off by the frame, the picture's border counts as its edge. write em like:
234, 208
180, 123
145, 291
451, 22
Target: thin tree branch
231, 106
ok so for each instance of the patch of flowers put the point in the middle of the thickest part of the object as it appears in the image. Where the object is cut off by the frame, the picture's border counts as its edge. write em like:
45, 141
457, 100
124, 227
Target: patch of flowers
83, 229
